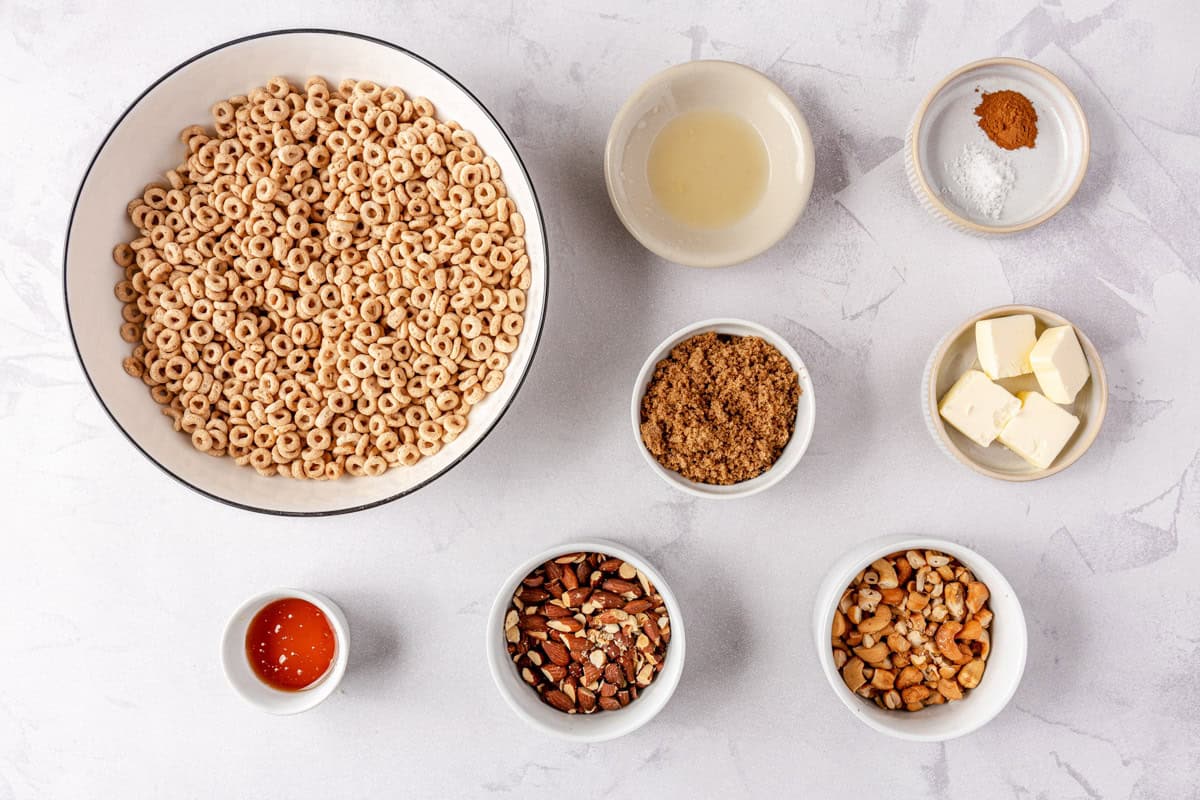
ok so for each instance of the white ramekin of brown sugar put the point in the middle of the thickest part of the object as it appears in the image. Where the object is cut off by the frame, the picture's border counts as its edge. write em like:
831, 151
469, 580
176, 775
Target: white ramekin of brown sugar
797, 442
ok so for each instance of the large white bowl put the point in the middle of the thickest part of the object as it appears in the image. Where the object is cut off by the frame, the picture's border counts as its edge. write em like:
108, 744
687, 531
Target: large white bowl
600, 726
793, 451
1005, 663
144, 143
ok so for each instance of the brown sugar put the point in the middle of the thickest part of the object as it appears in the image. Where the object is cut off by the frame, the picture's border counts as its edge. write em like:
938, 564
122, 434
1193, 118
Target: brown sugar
1008, 118
720, 408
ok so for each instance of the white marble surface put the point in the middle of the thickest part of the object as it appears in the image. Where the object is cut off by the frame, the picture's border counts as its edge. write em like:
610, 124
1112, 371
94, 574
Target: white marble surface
115, 581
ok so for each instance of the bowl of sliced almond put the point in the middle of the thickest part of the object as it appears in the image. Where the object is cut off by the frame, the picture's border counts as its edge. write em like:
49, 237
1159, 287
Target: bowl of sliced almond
585, 641
920, 638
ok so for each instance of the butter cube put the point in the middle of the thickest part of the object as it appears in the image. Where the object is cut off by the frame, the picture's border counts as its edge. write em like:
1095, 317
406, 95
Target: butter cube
978, 408
1059, 364
1003, 345
1039, 431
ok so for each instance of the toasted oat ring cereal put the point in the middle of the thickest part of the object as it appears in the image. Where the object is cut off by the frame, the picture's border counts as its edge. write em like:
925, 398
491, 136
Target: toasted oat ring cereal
327, 283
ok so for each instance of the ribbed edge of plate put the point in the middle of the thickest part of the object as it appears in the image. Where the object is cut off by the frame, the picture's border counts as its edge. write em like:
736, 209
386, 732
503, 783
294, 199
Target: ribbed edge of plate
927, 410
914, 183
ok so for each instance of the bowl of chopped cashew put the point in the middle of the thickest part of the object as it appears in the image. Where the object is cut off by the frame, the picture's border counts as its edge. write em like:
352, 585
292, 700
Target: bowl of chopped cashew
920, 638
326, 272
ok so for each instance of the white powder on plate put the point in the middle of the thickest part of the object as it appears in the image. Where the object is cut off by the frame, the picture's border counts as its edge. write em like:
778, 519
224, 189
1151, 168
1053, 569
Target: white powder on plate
984, 180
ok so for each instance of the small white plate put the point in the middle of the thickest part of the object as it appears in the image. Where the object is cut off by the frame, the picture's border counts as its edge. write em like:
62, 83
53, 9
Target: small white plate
718, 86
1047, 175
956, 354
793, 451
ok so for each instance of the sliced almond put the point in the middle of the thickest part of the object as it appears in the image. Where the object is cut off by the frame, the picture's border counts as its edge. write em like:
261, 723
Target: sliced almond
645, 675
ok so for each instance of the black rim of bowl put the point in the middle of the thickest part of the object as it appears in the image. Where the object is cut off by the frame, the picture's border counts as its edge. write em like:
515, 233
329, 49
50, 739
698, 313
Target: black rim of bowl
537, 210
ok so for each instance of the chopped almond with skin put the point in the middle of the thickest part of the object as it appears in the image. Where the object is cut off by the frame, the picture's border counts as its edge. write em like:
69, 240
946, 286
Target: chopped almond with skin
572, 641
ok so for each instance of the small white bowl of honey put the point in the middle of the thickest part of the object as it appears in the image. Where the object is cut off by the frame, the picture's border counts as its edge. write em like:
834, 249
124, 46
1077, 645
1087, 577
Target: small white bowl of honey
709, 164
285, 651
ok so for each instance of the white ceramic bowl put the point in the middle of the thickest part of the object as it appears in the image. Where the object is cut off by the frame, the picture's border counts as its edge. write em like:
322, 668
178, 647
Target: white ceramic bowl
709, 85
1005, 663
792, 452
602, 725
956, 353
1047, 175
241, 675
145, 142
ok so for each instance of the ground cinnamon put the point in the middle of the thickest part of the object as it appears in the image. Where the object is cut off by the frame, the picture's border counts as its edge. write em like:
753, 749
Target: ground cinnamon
1008, 118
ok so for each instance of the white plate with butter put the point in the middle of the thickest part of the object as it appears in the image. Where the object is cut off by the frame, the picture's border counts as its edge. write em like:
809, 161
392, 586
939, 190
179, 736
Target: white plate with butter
709, 163
1039, 420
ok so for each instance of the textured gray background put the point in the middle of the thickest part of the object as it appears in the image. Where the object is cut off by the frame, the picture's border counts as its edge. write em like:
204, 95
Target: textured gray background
115, 581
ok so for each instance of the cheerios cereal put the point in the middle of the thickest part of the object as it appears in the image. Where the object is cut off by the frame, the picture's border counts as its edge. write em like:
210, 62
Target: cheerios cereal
327, 284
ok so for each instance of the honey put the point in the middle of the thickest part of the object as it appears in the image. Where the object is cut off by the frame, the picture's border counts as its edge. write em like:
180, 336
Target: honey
708, 169
290, 644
